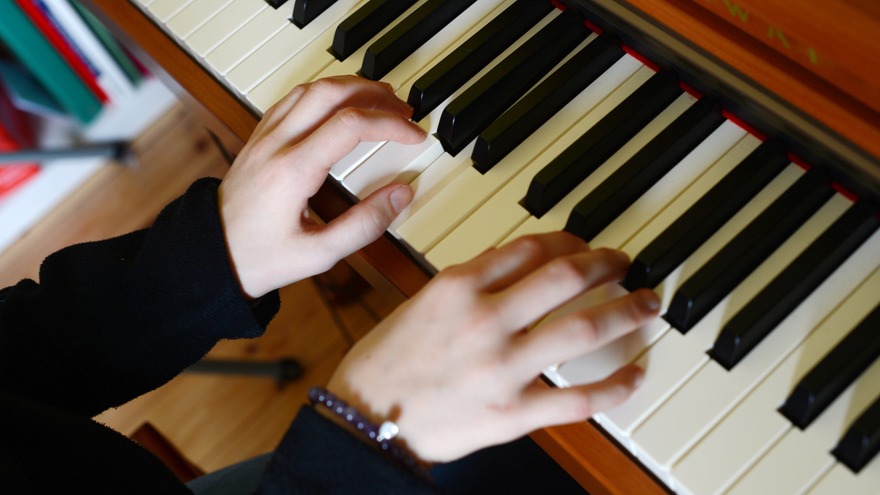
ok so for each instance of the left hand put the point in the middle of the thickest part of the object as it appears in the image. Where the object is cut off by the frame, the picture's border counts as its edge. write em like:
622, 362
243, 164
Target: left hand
264, 198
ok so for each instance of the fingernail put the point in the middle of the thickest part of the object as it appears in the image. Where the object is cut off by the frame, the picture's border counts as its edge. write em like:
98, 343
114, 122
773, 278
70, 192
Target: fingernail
400, 198
649, 301
624, 258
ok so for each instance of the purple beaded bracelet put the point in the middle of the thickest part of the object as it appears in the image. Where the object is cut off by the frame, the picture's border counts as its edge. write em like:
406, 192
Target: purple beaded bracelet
382, 434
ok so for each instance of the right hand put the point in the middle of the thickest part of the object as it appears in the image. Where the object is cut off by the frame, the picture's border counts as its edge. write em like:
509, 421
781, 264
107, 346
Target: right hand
455, 368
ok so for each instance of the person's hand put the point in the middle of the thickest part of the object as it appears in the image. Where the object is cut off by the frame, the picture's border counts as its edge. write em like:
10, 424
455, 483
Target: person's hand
263, 198
455, 368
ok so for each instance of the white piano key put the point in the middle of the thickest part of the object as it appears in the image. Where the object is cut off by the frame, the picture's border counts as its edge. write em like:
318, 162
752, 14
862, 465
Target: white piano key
655, 202
403, 89
361, 173
387, 166
470, 189
163, 10
352, 64
624, 350
306, 65
301, 68
655, 199
393, 162
396, 162
674, 357
361, 181
601, 363
666, 288
557, 216
753, 426
223, 25
690, 196
349, 162
598, 365
457, 31
369, 179
840, 479
502, 214
286, 43
451, 162
144, 3
709, 394
430, 182
194, 15
801, 457
247, 39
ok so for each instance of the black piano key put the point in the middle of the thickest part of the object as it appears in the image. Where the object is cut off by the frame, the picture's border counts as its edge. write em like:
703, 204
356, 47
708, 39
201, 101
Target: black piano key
364, 23
748, 249
781, 296
448, 75
276, 3
627, 184
834, 373
408, 35
688, 232
305, 11
483, 102
602, 140
861, 442
541, 103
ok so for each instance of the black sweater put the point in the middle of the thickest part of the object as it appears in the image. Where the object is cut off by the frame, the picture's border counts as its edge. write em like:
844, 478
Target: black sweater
114, 319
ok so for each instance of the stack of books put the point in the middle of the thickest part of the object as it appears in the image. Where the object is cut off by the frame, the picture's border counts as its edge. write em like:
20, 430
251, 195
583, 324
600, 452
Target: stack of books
64, 61
64, 81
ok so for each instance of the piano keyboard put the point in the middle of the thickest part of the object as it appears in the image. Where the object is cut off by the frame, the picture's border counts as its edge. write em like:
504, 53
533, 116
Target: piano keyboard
763, 376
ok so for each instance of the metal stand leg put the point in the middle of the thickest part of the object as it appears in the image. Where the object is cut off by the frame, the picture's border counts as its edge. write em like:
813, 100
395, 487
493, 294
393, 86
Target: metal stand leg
118, 151
282, 370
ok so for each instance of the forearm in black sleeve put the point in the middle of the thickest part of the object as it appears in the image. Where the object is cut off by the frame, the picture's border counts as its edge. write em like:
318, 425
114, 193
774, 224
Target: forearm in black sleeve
113, 319
316, 456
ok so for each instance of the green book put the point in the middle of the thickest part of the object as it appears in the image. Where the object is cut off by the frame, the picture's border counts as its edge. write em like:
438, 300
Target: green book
113, 47
40, 58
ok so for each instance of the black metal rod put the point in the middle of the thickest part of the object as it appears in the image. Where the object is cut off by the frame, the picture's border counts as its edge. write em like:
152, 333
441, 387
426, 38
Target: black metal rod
114, 150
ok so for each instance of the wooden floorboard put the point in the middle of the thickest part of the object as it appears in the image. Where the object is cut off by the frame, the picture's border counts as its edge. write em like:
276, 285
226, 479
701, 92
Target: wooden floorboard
214, 420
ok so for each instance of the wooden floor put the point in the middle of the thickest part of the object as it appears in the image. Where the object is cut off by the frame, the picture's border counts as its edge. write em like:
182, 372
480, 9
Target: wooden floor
214, 420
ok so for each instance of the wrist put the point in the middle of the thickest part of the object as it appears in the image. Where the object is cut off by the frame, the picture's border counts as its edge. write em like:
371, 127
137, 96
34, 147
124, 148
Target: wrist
379, 435
244, 271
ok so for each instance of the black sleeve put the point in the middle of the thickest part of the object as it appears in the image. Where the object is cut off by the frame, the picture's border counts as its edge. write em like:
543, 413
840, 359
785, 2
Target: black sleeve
114, 319
318, 457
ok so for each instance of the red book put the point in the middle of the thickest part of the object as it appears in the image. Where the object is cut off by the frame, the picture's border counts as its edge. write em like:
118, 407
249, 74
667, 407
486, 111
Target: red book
15, 133
61, 45
13, 175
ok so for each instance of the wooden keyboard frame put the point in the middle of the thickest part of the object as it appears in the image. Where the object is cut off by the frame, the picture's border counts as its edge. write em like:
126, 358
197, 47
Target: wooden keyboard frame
583, 449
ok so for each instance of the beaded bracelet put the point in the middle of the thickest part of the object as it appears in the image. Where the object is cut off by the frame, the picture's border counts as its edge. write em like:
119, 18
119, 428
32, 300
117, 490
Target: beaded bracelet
382, 434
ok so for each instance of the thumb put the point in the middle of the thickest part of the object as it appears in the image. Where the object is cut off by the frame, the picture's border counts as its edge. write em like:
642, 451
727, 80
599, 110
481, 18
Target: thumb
366, 221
